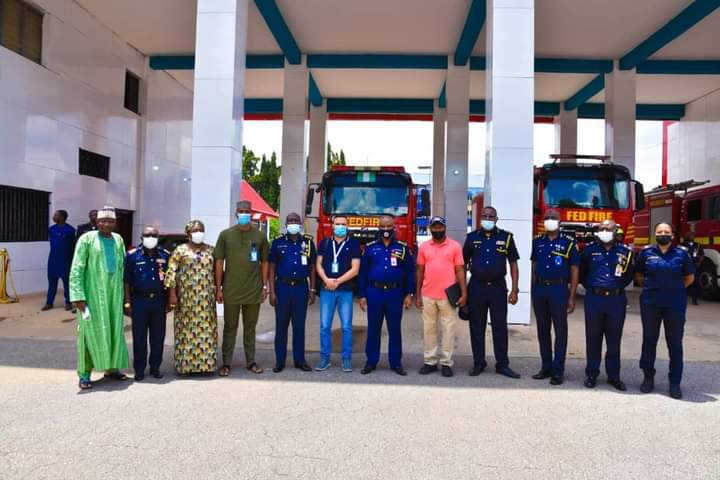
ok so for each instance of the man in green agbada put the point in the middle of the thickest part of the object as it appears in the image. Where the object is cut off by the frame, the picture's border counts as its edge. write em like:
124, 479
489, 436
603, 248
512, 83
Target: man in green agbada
96, 291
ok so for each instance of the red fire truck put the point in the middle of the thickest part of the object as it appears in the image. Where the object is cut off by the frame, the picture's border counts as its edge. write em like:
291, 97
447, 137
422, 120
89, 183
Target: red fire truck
585, 193
689, 207
363, 194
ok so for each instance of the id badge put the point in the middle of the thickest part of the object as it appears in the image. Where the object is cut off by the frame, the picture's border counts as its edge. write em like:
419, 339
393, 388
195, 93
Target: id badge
558, 260
618, 270
253, 255
393, 261
303, 260
335, 267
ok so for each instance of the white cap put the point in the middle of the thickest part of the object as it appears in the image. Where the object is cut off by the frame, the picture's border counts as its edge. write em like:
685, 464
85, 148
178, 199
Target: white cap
106, 212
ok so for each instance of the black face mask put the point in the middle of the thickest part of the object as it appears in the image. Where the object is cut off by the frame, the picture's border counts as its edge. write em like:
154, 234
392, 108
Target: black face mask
386, 233
437, 235
663, 239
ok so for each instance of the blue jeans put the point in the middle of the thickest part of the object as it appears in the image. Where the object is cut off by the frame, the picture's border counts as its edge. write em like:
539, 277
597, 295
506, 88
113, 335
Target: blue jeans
329, 301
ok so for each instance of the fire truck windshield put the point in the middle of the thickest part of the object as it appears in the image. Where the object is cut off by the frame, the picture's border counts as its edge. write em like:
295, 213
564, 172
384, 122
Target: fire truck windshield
586, 188
351, 194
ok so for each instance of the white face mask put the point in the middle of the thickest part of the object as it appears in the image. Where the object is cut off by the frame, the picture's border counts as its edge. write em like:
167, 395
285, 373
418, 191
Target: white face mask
605, 236
551, 225
150, 242
197, 237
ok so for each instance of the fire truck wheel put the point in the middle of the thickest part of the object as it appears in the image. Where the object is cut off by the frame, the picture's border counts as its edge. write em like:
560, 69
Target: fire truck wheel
708, 280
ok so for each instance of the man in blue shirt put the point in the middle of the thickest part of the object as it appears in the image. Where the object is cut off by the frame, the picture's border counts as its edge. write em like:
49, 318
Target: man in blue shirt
387, 284
487, 252
338, 263
606, 268
146, 301
62, 244
292, 263
555, 260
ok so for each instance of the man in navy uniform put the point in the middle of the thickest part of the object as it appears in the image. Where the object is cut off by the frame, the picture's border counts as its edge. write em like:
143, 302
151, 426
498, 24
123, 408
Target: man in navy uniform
487, 252
387, 283
91, 226
146, 301
555, 262
697, 253
62, 244
292, 263
606, 268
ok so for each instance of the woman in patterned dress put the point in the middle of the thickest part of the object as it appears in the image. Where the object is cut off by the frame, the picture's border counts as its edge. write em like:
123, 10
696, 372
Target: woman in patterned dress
191, 285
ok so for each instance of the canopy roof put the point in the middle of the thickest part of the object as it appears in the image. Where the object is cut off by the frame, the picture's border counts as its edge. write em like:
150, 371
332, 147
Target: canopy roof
259, 205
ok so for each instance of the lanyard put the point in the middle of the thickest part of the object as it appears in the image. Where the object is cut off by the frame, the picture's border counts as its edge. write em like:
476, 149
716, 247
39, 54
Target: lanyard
336, 251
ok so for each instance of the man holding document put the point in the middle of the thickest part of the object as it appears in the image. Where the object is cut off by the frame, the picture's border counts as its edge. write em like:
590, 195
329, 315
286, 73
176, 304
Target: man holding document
441, 287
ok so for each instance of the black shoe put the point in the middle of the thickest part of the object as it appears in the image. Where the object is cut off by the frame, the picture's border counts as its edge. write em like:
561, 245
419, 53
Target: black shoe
475, 371
156, 374
590, 382
446, 371
46, 308
139, 377
695, 302
399, 370
68, 307
507, 371
367, 369
304, 367
427, 369
542, 375
617, 383
278, 368
675, 392
648, 384
556, 380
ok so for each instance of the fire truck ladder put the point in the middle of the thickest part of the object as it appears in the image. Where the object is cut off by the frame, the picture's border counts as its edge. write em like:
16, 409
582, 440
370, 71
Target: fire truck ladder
556, 157
678, 187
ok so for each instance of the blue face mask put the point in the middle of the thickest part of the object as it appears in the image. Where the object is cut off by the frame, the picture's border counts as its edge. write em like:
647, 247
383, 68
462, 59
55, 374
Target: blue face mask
487, 224
340, 230
243, 219
293, 228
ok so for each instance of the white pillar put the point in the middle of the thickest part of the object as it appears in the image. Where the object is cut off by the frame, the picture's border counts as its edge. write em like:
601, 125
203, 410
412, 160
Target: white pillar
510, 115
438, 166
566, 131
318, 152
457, 92
293, 179
220, 44
620, 102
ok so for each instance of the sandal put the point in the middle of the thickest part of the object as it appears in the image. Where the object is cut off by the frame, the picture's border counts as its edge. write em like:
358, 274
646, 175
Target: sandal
224, 371
85, 384
253, 367
116, 375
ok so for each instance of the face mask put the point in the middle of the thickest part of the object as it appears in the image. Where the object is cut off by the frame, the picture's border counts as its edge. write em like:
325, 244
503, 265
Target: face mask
149, 242
243, 219
663, 239
293, 228
340, 230
487, 224
552, 225
197, 237
605, 236
438, 235
386, 233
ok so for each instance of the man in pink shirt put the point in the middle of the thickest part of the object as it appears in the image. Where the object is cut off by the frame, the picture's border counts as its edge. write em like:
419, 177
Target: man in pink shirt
440, 264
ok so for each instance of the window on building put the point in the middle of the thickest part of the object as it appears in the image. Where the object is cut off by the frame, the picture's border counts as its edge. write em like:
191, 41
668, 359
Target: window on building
94, 165
132, 92
24, 214
21, 29
694, 210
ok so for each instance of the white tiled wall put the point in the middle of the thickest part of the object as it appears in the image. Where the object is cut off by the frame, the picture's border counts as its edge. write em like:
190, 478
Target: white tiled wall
694, 142
75, 100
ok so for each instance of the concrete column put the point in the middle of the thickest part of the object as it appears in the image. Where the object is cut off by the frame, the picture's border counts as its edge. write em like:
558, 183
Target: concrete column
457, 92
293, 179
510, 112
620, 102
220, 44
566, 131
318, 152
438, 166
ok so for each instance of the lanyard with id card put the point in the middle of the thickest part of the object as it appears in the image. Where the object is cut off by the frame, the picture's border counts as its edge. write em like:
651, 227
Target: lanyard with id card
335, 268
253, 253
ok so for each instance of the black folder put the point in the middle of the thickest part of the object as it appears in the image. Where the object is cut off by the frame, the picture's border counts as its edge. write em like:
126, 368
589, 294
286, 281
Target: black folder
453, 294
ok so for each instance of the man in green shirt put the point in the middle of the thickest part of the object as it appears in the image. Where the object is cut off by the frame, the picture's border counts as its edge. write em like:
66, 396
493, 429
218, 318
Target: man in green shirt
241, 280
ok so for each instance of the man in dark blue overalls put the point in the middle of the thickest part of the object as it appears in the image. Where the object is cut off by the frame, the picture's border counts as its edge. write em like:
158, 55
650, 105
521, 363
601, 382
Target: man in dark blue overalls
387, 283
606, 268
146, 301
697, 253
62, 244
487, 251
555, 261
292, 263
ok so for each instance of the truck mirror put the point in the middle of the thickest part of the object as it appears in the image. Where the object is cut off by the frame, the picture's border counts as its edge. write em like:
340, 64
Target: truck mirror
309, 200
425, 197
639, 196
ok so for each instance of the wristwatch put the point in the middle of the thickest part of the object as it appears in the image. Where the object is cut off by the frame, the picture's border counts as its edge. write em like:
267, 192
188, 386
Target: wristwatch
127, 305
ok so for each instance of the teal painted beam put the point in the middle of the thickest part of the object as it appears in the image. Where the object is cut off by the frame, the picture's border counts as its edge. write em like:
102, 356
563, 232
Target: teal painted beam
572, 65
585, 93
643, 111
679, 67
314, 93
442, 99
279, 29
187, 62
263, 105
369, 60
471, 31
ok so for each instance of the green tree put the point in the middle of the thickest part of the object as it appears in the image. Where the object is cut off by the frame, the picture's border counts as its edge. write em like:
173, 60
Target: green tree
266, 181
249, 166
334, 158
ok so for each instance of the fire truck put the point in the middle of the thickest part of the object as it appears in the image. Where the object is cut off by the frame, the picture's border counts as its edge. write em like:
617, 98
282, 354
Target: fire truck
688, 206
585, 192
363, 194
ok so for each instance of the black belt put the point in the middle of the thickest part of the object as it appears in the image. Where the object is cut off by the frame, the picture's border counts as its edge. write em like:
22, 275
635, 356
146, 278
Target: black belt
608, 292
292, 281
148, 294
493, 283
385, 285
549, 282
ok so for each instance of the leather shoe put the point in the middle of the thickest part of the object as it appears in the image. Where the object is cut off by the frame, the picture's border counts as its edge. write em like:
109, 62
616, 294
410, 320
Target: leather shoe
542, 375
278, 368
367, 369
156, 374
427, 369
68, 307
139, 377
399, 370
648, 384
556, 380
508, 372
590, 382
675, 392
46, 308
475, 371
304, 367
446, 371
617, 383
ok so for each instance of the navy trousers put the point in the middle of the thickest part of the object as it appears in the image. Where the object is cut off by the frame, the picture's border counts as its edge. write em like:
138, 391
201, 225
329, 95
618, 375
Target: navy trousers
384, 305
604, 319
492, 298
148, 322
291, 308
673, 320
53, 284
550, 305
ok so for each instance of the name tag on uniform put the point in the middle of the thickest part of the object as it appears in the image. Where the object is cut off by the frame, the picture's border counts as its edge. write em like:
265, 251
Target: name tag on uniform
335, 267
303, 260
393, 261
618, 270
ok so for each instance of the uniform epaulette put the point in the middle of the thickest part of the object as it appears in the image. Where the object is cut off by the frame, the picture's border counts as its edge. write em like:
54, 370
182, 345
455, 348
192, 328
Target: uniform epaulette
404, 244
307, 236
567, 236
131, 251
165, 250
623, 246
371, 243
683, 247
648, 246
